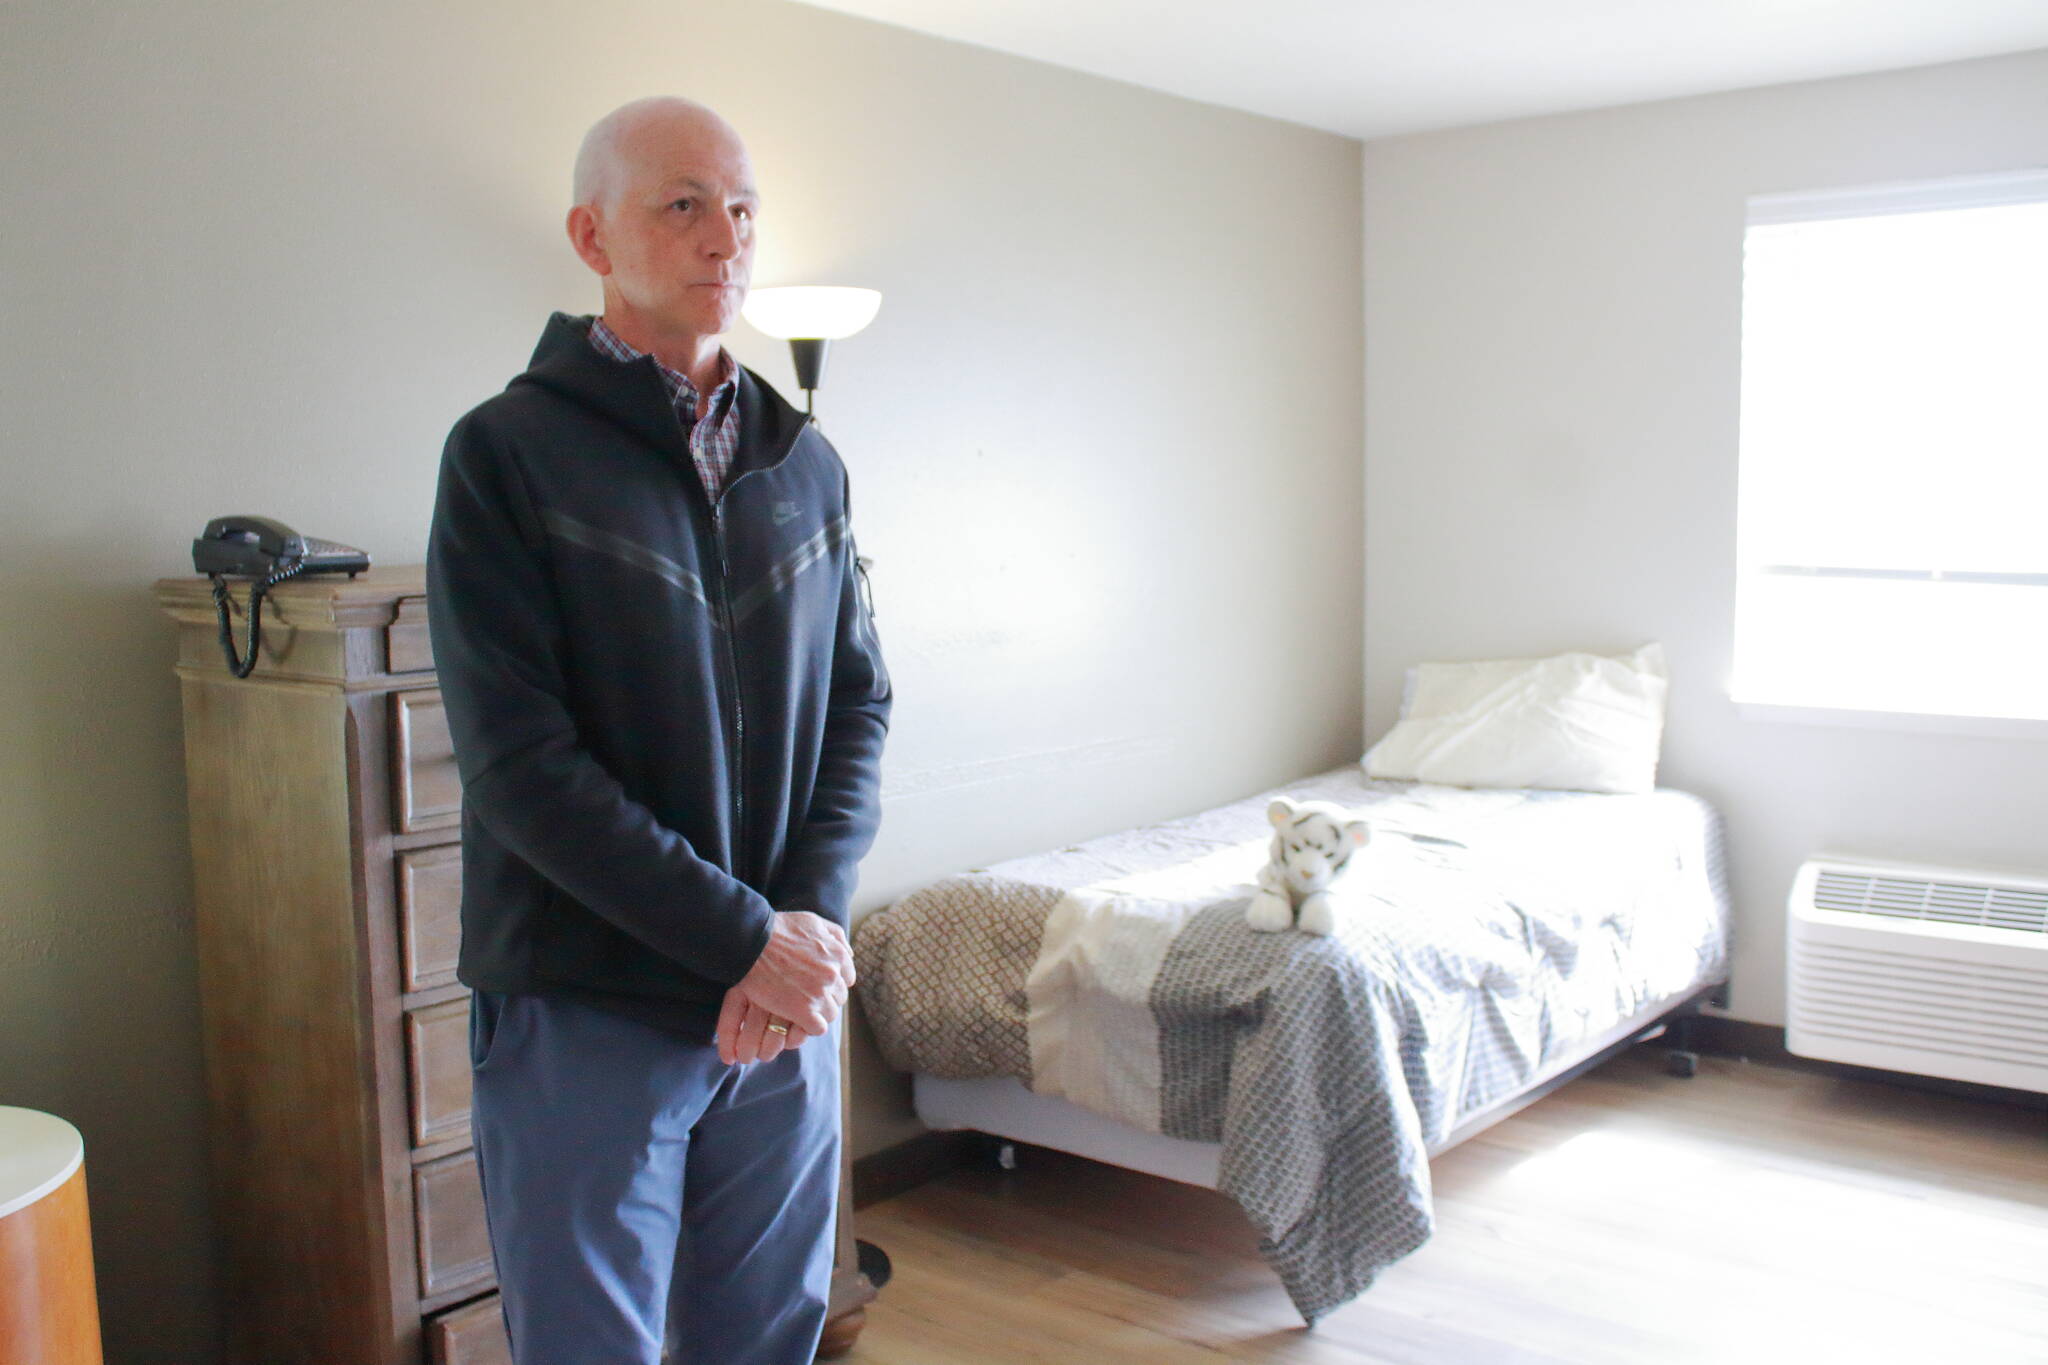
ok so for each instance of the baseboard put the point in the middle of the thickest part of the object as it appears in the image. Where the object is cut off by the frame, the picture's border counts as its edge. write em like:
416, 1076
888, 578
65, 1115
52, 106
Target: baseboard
1765, 1044
908, 1164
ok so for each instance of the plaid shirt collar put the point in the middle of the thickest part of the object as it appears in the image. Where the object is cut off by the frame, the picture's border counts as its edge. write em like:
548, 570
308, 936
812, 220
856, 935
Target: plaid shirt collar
714, 444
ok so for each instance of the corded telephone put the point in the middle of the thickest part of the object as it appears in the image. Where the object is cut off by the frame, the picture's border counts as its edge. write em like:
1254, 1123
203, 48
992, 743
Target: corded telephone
269, 552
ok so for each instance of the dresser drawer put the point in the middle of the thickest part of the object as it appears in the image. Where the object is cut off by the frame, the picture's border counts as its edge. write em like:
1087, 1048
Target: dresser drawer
429, 916
429, 792
473, 1334
437, 1071
407, 647
454, 1244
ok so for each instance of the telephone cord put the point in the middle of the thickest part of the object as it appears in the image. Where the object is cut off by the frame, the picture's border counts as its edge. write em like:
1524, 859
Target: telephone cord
240, 665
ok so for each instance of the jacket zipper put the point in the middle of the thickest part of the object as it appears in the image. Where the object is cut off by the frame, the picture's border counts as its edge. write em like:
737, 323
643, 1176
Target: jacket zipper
732, 657
732, 666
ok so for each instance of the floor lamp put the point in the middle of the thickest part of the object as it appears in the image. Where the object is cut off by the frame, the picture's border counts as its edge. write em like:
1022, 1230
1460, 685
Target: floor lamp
810, 317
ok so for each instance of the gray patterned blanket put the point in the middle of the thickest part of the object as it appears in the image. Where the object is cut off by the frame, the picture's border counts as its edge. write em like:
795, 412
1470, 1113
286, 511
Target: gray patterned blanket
1481, 935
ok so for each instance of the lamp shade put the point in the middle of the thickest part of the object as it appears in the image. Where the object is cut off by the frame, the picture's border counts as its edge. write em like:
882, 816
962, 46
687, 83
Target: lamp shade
810, 312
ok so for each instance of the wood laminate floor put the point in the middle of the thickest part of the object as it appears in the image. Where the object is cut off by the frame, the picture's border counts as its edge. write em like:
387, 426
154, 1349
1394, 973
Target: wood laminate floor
1746, 1216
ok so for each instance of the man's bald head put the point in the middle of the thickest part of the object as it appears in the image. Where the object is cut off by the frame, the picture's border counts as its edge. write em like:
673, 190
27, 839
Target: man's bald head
664, 213
604, 160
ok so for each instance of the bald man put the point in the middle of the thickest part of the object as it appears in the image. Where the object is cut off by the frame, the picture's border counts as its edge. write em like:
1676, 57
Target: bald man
668, 704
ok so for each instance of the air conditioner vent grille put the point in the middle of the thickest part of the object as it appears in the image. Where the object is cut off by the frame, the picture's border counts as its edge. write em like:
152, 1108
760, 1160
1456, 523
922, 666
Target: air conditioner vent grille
1991, 907
1937, 971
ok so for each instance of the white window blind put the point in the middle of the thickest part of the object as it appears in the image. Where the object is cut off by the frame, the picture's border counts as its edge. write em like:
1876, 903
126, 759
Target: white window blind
1892, 537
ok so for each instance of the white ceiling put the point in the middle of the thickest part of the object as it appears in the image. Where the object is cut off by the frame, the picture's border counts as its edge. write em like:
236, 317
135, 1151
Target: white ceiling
1372, 68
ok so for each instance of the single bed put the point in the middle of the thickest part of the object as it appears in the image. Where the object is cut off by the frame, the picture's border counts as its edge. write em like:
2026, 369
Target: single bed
1109, 999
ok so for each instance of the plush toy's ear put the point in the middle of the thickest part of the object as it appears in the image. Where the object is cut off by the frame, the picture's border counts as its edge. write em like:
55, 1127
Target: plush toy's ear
1358, 833
1281, 811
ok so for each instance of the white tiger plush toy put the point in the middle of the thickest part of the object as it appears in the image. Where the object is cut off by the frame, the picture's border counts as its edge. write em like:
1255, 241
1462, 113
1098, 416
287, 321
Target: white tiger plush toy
1313, 841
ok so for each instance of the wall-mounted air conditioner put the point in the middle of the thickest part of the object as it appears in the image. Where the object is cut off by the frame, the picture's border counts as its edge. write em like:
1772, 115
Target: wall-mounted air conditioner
1932, 970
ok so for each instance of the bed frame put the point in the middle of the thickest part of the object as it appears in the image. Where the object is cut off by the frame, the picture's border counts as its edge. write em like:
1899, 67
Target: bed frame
1001, 1107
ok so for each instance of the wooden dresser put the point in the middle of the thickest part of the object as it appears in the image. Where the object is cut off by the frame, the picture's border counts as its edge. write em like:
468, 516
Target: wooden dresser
325, 812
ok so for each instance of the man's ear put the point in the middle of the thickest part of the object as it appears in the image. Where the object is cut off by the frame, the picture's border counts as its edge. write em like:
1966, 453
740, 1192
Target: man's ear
583, 235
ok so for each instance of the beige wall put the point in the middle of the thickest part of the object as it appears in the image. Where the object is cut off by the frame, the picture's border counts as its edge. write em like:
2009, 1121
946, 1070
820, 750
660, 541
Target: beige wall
1552, 371
1104, 436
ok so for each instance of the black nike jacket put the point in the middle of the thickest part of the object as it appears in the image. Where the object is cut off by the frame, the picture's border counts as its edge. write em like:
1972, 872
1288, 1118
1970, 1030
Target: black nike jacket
668, 713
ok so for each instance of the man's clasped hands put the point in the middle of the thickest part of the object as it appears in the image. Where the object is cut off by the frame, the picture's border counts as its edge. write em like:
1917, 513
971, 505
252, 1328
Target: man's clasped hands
799, 981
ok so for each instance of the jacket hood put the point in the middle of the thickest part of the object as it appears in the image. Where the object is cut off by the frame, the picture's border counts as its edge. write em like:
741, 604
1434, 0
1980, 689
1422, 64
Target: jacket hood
632, 396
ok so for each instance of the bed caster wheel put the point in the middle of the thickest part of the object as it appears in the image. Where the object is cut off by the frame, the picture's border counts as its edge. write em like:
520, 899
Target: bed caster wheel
992, 1152
1682, 1064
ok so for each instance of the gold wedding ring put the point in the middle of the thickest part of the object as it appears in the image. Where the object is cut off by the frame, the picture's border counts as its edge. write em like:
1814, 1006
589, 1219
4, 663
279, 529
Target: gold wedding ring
777, 1026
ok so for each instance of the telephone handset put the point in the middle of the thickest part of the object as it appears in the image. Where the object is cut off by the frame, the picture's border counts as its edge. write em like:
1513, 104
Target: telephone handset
269, 552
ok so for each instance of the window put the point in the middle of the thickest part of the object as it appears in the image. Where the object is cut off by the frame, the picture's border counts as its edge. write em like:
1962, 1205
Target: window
1892, 534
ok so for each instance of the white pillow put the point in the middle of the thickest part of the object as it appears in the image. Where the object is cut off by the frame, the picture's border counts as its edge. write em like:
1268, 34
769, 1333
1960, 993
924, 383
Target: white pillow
1577, 721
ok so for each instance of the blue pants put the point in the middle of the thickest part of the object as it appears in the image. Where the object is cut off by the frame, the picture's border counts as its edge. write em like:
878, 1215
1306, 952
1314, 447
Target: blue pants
641, 1194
